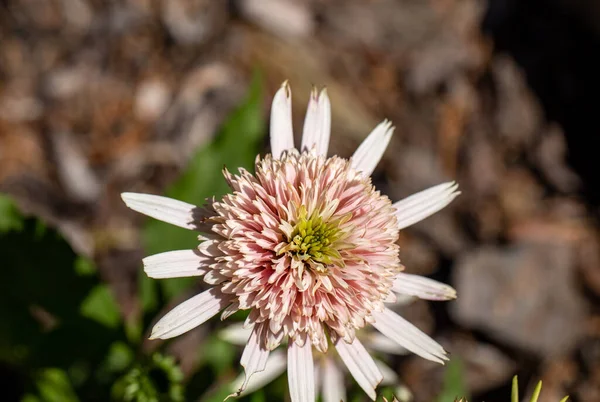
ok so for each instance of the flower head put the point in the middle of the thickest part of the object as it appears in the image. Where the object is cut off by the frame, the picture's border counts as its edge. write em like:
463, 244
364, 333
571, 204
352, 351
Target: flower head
308, 246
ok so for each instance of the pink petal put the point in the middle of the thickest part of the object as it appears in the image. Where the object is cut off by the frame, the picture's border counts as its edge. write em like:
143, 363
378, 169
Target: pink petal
317, 123
282, 135
369, 153
421, 205
423, 288
190, 314
301, 378
407, 335
361, 365
165, 209
175, 264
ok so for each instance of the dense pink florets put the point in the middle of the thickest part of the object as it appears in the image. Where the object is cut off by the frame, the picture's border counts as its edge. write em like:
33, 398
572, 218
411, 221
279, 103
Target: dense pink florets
306, 244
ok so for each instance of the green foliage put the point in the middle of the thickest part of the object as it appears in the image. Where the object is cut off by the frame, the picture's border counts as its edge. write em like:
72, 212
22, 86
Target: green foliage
53, 385
536, 392
62, 334
58, 320
100, 306
454, 385
10, 219
157, 380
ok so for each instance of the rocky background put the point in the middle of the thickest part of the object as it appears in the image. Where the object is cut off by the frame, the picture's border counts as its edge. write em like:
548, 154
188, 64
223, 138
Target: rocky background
99, 97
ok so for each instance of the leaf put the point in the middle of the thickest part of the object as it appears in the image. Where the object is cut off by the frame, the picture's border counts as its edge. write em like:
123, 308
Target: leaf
100, 306
236, 145
46, 296
54, 386
219, 354
454, 386
10, 218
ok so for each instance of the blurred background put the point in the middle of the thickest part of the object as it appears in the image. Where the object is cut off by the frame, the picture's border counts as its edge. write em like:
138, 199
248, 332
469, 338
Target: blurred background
100, 97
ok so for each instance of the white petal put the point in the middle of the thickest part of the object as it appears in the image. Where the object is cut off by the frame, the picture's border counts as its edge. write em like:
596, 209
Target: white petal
405, 334
276, 365
333, 382
254, 358
236, 334
190, 314
301, 378
317, 123
166, 209
423, 288
175, 264
369, 153
421, 205
382, 343
282, 135
361, 365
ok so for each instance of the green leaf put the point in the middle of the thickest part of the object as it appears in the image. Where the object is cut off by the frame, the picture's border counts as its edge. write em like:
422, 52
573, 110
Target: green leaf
236, 145
536, 392
219, 354
54, 386
119, 357
258, 396
84, 267
454, 386
10, 218
101, 307
155, 380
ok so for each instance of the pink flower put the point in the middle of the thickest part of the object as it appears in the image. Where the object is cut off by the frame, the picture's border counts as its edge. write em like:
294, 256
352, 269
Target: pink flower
308, 246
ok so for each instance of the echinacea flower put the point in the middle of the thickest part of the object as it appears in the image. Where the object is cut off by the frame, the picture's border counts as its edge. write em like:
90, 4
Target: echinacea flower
329, 372
308, 246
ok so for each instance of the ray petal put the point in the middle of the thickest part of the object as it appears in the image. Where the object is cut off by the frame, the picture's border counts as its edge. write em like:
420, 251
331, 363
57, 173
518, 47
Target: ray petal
301, 377
317, 123
360, 364
190, 314
282, 134
421, 205
165, 209
369, 153
175, 264
407, 335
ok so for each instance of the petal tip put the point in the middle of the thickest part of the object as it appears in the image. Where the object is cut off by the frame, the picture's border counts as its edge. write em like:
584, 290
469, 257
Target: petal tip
286, 88
128, 197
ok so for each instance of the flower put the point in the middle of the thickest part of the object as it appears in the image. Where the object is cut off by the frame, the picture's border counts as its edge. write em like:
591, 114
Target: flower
308, 246
328, 373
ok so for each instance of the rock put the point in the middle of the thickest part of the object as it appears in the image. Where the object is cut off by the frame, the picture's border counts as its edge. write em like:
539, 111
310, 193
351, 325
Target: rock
151, 99
285, 18
550, 157
518, 114
193, 22
523, 295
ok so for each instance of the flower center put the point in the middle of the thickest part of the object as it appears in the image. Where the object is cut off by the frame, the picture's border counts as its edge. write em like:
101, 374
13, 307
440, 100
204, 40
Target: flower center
314, 242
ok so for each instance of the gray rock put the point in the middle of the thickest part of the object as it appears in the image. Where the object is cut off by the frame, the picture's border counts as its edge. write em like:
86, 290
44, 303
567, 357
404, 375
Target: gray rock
523, 295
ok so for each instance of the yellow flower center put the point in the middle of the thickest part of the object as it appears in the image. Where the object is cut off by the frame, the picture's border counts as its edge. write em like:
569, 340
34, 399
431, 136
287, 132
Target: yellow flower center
315, 242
